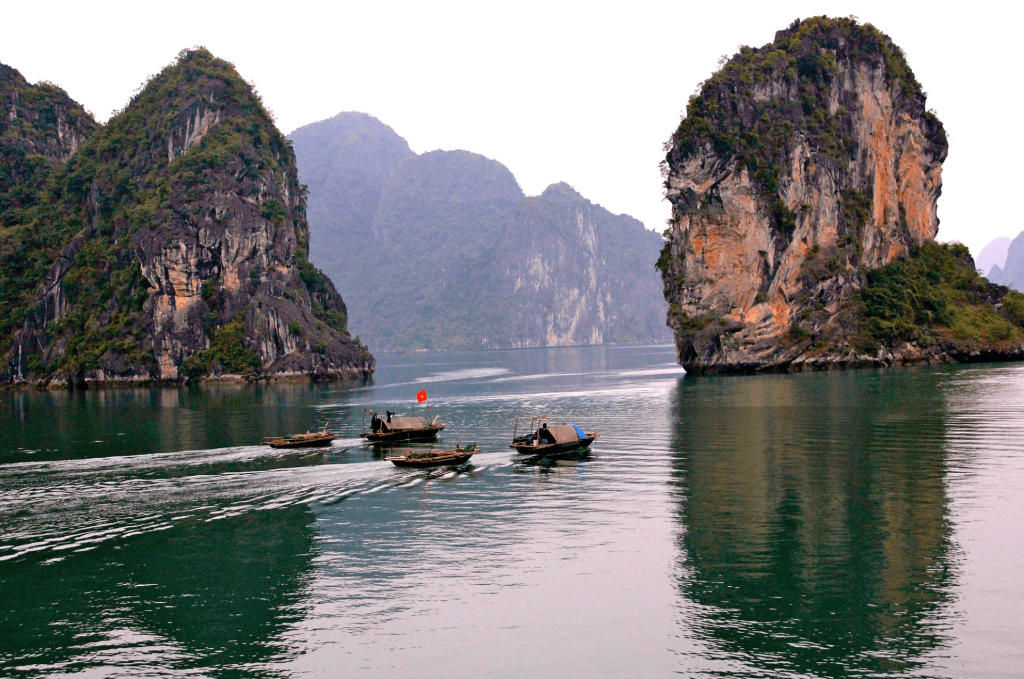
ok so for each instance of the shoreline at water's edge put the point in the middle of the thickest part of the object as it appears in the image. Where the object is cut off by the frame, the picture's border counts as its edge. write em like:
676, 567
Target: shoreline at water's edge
413, 352
903, 357
123, 382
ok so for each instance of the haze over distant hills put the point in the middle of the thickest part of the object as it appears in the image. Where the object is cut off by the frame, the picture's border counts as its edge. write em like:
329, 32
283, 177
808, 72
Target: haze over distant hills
1011, 273
993, 254
444, 251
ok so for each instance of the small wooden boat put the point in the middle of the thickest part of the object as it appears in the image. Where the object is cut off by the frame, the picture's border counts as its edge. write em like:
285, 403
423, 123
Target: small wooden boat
307, 440
434, 458
550, 439
393, 429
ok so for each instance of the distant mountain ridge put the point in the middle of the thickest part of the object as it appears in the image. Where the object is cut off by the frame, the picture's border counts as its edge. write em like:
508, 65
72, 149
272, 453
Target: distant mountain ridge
346, 163
1011, 273
993, 254
456, 256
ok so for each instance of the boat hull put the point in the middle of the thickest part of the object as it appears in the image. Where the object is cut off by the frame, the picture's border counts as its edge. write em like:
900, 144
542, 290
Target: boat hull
318, 442
434, 461
428, 434
554, 448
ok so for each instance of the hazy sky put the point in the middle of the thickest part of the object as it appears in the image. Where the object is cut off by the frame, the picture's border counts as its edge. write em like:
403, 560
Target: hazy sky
583, 92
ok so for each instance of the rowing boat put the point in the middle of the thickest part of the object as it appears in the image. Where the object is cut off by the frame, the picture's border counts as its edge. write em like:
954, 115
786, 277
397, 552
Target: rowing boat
433, 458
307, 440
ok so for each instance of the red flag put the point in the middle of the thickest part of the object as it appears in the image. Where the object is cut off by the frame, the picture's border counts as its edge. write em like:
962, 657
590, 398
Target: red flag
422, 396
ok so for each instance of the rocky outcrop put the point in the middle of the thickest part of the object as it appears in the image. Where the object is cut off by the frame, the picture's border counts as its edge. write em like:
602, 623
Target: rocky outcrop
41, 119
430, 266
183, 249
444, 251
799, 167
40, 127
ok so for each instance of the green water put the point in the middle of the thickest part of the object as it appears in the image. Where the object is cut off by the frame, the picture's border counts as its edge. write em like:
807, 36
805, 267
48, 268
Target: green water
863, 523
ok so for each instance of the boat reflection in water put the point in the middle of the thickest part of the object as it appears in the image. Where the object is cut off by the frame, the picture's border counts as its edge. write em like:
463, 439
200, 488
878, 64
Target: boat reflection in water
814, 539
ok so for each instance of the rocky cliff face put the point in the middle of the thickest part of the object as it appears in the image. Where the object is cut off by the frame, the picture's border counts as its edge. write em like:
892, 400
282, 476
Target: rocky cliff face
579, 271
456, 257
799, 167
178, 248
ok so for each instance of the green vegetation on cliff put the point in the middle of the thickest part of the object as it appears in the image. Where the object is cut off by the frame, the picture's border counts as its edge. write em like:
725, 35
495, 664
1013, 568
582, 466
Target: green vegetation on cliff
225, 355
936, 295
40, 126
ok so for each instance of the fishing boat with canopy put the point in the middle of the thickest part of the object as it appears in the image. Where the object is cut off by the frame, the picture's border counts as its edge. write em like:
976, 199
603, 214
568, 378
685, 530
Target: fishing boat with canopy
546, 438
392, 428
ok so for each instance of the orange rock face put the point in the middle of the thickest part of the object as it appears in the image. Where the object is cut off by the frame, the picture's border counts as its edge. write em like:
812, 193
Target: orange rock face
803, 165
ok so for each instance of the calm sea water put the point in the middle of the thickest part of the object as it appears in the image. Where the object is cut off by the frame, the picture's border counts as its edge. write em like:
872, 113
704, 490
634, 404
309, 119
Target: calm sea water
864, 523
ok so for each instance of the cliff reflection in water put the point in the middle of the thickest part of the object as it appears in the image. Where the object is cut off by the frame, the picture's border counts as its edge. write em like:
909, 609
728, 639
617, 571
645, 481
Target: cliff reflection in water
58, 424
814, 532
214, 595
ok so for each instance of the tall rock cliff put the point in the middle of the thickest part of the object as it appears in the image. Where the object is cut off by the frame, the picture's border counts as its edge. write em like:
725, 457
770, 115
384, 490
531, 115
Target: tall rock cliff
455, 256
433, 253
799, 167
174, 243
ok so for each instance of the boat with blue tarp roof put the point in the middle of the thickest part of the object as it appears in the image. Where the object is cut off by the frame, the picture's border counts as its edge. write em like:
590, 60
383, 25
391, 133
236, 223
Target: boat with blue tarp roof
544, 438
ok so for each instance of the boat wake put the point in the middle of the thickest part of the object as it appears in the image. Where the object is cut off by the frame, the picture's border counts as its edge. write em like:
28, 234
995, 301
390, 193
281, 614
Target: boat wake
51, 510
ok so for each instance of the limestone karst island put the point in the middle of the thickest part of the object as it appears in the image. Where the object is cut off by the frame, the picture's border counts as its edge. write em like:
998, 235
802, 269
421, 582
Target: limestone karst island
170, 243
804, 181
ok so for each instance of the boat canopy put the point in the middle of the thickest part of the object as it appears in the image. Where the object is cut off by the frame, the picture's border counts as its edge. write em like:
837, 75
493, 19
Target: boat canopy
582, 434
564, 433
405, 423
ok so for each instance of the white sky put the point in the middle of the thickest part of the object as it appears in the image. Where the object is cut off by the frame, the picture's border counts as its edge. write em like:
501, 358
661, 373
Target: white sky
582, 92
